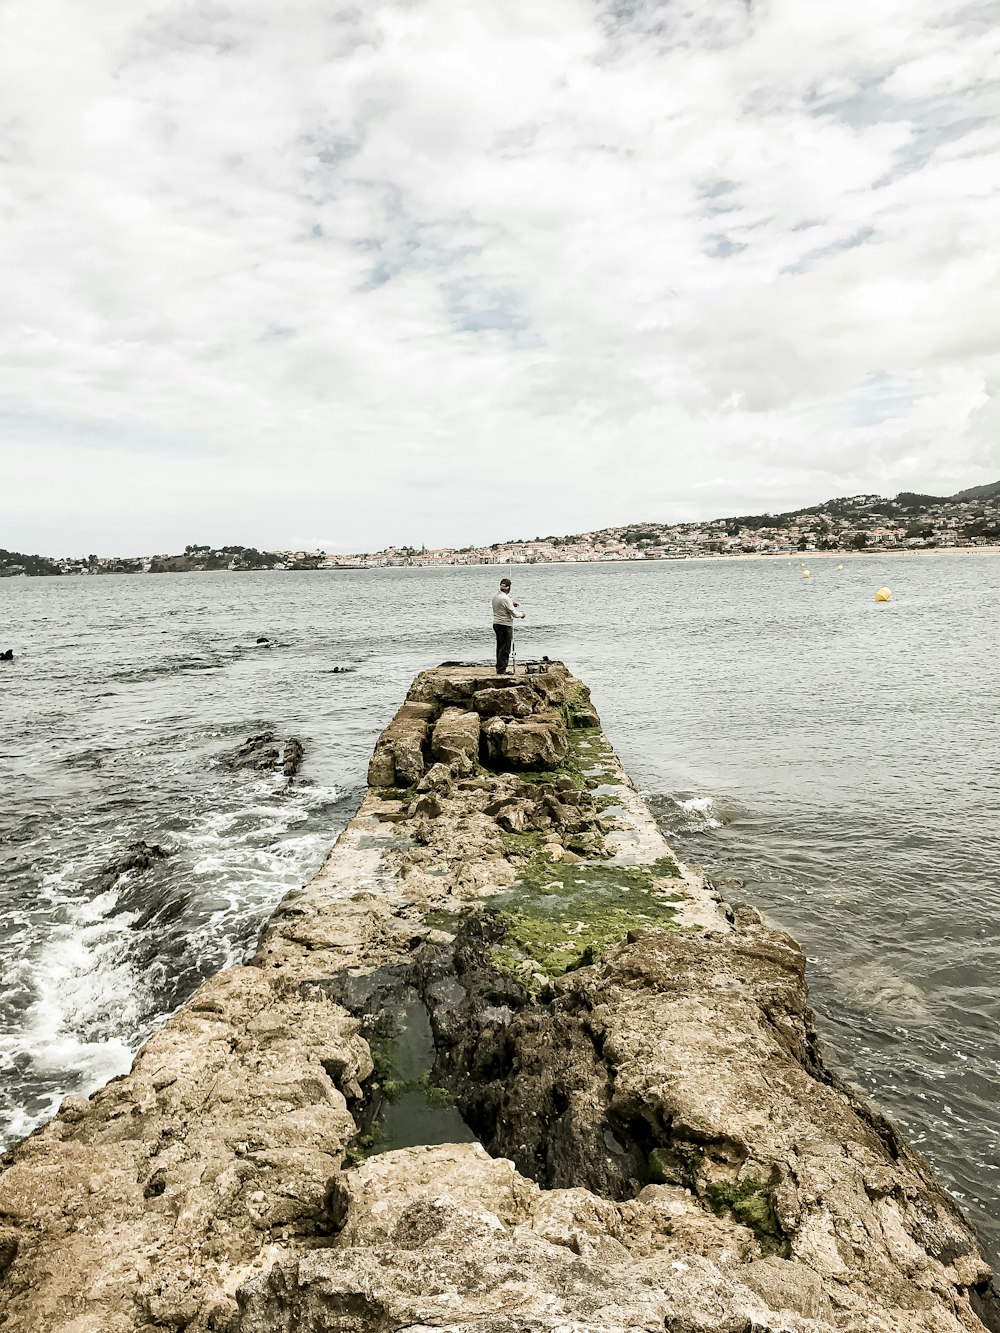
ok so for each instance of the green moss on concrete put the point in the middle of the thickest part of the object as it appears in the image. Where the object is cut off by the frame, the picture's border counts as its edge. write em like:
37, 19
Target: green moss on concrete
590, 845
593, 759
552, 775
590, 744
576, 701
396, 793
751, 1203
542, 873
521, 844
578, 696
559, 917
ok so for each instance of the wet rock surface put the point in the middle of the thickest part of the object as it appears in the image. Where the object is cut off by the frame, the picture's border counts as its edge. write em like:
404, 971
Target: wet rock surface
133, 860
500, 949
266, 753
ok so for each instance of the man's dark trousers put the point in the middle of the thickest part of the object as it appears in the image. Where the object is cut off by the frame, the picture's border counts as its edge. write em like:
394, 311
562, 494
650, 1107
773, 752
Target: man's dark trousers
505, 638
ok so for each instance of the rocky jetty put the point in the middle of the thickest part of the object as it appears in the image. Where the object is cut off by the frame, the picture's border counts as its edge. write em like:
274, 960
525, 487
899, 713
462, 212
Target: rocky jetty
503, 1066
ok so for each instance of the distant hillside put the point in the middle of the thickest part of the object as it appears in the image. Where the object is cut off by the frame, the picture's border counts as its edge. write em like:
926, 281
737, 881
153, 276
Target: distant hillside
909, 500
195, 559
13, 563
848, 522
199, 558
853, 506
990, 492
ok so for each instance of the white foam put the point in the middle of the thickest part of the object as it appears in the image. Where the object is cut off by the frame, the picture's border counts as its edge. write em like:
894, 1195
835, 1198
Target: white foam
701, 809
85, 1001
875, 987
84, 980
19, 1122
91, 1002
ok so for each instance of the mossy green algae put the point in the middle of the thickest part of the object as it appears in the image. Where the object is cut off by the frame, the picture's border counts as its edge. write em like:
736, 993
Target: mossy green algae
592, 759
576, 701
396, 793
750, 1202
559, 917
541, 873
550, 775
521, 844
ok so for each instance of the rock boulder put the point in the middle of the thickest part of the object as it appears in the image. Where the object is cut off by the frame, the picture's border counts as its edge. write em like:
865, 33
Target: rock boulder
455, 740
510, 702
398, 758
447, 1238
537, 742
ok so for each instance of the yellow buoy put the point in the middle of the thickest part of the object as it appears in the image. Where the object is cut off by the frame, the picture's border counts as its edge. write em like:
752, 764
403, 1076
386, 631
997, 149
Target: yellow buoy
840, 566
805, 573
883, 594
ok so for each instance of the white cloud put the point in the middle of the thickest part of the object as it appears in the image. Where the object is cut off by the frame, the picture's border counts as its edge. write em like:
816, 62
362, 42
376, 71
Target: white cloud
439, 271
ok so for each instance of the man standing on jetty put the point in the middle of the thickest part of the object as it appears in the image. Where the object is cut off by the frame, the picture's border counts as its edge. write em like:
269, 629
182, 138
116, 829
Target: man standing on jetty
504, 613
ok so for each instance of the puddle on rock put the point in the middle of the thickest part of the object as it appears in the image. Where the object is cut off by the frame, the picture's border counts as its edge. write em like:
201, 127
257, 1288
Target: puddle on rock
404, 1109
396, 842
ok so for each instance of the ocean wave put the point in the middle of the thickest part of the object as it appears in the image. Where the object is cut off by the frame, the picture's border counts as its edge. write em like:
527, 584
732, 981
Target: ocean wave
100, 965
85, 1001
875, 988
701, 810
170, 667
680, 813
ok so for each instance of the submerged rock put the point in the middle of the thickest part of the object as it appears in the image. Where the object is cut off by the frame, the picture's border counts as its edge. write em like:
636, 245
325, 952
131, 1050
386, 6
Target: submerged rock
292, 756
135, 859
265, 753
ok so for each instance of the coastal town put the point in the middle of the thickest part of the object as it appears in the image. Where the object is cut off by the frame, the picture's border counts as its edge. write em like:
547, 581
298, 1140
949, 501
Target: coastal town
857, 523
854, 523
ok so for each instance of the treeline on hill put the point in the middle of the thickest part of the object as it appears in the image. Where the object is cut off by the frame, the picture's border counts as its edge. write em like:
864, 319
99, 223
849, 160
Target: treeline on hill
194, 559
199, 558
907, 505
13, 563
909, 509
990, 492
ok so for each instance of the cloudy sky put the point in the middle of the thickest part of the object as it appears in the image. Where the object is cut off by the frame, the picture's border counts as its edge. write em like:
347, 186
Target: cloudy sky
443, 271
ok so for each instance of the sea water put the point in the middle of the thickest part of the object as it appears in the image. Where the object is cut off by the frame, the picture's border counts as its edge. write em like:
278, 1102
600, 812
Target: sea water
838, 757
